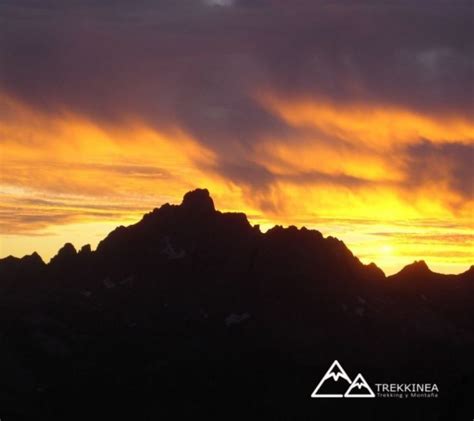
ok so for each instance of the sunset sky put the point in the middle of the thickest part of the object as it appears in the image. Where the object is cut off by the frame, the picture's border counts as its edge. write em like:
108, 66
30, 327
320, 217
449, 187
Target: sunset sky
351, 117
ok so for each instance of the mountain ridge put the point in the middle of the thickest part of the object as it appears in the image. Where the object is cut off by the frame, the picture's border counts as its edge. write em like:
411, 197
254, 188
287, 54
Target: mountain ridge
199, 204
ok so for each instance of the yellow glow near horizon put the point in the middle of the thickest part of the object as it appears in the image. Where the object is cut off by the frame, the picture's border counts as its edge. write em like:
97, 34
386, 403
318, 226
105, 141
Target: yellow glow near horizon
387, 249
66, 178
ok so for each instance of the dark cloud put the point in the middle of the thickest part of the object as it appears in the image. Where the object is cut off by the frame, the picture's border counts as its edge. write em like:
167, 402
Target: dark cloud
452, 163
18, 222
255, 176
78, 203
29, 215
247, 173
128, 170
316, 177
198, 64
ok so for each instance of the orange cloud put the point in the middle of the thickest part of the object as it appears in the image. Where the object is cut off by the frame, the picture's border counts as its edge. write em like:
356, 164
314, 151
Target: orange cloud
68, 178
376, 126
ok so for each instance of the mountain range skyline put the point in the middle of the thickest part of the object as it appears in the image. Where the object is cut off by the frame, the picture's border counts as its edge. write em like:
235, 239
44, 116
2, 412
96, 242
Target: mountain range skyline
417, 264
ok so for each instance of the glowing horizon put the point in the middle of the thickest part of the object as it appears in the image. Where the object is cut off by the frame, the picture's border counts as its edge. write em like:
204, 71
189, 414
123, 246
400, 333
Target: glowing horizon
80, 189
348, 119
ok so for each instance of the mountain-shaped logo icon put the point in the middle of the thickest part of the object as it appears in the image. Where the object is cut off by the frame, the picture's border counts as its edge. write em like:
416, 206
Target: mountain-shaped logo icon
359, 389
333, 384
337, 384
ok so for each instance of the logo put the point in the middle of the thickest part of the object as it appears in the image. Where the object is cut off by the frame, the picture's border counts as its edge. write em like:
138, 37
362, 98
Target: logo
337, 384
359, 389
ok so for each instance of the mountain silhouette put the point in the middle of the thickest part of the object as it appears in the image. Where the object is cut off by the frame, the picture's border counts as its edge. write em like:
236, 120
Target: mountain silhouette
195, 311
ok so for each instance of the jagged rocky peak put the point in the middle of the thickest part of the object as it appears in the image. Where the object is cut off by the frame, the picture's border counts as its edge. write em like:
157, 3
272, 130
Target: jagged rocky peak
65, 252
85, 249
33, 258
417, 268
304, 236
373, 271
198, 201
420, 265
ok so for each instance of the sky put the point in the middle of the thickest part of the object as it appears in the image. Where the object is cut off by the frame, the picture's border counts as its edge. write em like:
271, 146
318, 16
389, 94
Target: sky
351, 117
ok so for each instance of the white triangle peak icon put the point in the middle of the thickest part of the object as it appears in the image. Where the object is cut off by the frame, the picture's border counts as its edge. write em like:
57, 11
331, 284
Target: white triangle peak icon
335, 375
359, 389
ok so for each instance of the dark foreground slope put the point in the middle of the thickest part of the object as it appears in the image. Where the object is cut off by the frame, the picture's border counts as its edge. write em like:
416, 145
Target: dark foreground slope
192, 312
